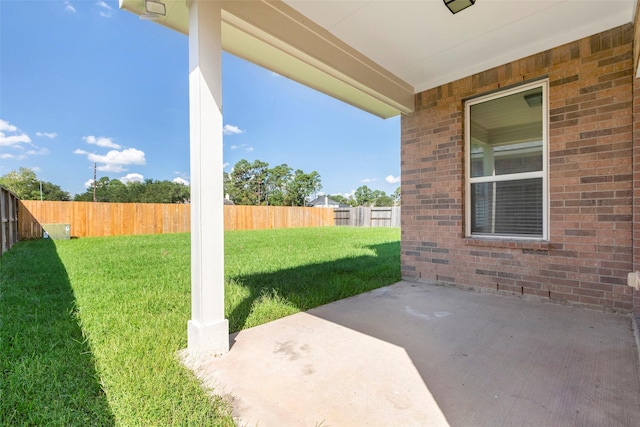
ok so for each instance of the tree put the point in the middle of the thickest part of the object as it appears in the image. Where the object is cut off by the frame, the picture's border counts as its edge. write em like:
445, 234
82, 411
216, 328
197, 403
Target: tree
248, 183
376, 194
167, 192
341, 199
226, 184
277, 179
257, 184
26, 185
118, 192
396, 196
364, 196
102, 192
53, 192
383, 200
136, 191
301, 186
149, 191
259, 181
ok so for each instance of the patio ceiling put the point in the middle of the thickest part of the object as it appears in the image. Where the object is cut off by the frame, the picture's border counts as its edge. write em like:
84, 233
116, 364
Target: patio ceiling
377, 54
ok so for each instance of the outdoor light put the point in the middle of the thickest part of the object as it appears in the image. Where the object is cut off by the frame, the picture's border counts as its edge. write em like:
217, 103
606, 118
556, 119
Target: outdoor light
156, 7
456, 6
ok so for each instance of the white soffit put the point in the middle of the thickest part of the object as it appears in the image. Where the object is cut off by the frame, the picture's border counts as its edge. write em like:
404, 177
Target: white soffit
264, 54
425, 45
374, 54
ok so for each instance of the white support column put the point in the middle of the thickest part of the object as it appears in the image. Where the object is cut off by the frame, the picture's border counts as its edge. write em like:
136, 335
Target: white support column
208, 330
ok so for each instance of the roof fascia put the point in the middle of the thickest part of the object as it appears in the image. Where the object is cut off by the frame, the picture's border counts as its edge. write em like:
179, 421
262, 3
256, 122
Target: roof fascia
279, 38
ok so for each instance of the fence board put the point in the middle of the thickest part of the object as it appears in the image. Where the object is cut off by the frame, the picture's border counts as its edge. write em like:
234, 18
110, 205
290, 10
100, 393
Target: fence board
112, 219
368, 216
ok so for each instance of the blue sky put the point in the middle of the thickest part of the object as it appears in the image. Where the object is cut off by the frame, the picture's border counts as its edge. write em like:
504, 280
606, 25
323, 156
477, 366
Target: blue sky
84, 82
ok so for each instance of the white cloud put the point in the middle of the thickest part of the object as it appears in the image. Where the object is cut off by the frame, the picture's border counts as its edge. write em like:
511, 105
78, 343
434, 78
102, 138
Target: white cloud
12, 140
114, 160
182, 181
50, 135
181, 176
68, 7
88, 183
101, 141
247, 149
107, 10
111, 168
231, 130
8, 140
7, 127
40, 152
11, 156
367, 180
225, 165
132, 177
392, 179
129, 156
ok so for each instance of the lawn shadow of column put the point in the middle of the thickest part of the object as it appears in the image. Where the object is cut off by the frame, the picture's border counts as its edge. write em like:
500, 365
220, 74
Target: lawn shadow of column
312, 285
48, 374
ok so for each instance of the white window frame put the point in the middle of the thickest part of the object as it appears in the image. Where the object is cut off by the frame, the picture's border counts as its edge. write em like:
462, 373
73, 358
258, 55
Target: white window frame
544, 174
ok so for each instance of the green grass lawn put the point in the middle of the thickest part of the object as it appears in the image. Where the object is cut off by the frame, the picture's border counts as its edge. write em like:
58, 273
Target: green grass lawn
90, 328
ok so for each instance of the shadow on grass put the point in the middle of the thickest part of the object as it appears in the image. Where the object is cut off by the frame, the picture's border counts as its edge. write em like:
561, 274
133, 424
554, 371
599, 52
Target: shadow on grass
48, 374
274, 294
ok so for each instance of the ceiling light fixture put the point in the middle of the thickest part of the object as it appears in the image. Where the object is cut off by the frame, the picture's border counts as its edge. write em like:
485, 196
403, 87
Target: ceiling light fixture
155, 10
456, 6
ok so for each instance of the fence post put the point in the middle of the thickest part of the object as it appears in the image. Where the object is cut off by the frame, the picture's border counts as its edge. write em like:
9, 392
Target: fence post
3, 202
8, 219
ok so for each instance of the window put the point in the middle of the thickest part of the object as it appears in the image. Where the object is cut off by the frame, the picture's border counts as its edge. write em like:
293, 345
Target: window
506, 163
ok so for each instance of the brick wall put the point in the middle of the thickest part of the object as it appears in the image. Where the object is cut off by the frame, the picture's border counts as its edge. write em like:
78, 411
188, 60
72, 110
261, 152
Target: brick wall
636, 185
589, 251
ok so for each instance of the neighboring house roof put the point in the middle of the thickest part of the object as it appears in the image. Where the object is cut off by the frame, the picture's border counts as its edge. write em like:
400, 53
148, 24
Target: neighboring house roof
324, 201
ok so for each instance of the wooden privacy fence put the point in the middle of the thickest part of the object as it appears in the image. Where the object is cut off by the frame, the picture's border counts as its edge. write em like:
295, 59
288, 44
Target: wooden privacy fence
368, 216
113, 219
260, 217
8, 219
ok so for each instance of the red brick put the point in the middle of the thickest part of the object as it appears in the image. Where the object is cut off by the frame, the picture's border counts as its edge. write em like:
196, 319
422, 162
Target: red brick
592, 158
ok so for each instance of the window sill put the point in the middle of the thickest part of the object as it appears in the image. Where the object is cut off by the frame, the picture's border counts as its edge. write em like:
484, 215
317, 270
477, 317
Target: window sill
533, 245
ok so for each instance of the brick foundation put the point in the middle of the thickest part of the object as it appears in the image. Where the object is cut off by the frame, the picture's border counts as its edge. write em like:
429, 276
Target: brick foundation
591, 181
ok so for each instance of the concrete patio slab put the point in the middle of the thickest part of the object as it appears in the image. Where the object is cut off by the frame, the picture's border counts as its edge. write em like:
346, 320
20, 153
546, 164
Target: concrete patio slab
420, 355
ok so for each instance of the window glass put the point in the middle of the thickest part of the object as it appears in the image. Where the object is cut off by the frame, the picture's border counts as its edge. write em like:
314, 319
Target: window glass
506, 134
506, 146
507, 208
